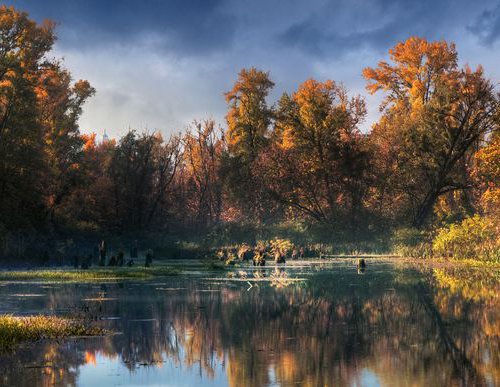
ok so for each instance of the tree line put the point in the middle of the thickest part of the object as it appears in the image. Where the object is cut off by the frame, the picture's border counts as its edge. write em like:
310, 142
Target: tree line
431, 158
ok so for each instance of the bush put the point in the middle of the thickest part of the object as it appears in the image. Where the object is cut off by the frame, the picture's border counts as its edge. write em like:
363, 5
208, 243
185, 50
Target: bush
281, 246
472, 238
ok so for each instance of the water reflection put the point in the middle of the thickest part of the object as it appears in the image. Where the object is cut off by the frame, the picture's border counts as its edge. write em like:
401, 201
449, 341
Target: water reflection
386, 327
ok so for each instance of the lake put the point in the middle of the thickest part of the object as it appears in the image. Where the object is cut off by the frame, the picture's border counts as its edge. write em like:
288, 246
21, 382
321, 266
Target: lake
319, 324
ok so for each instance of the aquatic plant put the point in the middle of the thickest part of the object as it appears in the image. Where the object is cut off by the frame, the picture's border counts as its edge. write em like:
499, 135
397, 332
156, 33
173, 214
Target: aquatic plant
14, 330
280, 246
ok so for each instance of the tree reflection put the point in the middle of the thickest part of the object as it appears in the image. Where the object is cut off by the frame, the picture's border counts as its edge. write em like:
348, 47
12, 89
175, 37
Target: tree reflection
402, 326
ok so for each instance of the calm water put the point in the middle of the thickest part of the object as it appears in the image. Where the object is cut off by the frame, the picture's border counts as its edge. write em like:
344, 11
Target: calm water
386, 327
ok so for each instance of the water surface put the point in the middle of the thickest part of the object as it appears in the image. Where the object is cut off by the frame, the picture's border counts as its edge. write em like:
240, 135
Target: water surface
389, 326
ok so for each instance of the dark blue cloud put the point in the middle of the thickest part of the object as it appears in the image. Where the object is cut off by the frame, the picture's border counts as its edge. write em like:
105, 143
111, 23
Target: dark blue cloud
335, 30
194, 26
487, 25
323, 28
162, 63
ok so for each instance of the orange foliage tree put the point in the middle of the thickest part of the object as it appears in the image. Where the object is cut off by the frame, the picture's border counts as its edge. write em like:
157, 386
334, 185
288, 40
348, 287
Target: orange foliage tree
318, 157
60, 106
433, 116
202, 150
487, 173
248, 121
40, 145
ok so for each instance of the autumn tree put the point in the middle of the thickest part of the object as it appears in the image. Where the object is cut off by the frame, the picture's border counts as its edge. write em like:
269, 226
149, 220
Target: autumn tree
487, 174
60, 106
433, 115
167, 159
202, 150
249, 117
248, 121
318, 159
142, 170
22, 48
90, 204
40, 143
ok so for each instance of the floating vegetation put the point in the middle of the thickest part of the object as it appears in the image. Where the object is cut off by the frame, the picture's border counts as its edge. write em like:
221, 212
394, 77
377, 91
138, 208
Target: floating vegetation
94, 274
171, 289
14, 330
26, 295
99, 299
277, 278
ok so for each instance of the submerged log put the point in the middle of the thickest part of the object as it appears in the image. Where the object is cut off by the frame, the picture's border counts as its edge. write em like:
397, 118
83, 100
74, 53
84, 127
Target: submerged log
259, 258
149, 258
119, 259
102, 253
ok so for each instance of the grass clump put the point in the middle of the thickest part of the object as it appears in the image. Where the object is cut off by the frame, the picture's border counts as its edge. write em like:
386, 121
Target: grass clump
14, 330
93, 274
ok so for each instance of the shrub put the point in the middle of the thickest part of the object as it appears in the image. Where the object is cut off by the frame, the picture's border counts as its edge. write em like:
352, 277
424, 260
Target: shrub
281, 246
474, 237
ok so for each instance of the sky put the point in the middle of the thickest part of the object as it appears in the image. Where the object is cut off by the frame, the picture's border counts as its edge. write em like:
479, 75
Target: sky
159, 65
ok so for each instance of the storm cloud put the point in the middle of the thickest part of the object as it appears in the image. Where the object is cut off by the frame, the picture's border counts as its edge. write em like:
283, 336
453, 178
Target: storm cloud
161, 64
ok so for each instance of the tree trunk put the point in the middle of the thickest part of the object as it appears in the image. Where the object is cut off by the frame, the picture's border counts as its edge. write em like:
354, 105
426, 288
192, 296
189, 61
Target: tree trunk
425, 209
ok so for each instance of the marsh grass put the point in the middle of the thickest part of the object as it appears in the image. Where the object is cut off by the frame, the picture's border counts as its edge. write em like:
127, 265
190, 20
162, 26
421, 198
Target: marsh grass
14, 330
93, 274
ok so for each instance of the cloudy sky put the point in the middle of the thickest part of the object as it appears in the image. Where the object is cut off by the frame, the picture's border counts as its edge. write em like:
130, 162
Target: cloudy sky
159, 64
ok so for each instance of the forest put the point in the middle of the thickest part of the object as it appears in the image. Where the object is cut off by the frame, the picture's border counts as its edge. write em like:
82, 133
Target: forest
423, 181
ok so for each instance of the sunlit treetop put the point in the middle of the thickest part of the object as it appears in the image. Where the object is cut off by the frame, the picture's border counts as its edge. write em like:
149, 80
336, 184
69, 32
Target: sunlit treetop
487, 174
418, 67
318, 112
248, 117
23, 39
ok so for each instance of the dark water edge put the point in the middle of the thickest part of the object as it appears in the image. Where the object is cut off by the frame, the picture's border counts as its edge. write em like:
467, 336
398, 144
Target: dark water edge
389, 326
